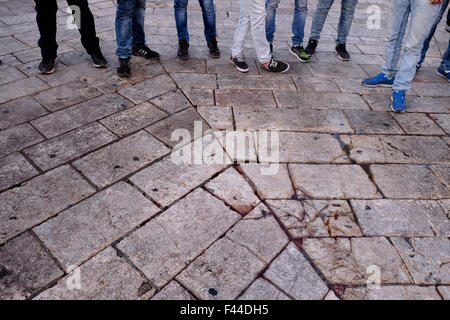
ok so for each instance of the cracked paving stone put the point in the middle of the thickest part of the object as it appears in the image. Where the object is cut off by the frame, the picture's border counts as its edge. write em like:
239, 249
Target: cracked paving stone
54, 152
316, 85
171, 102
195, 81
173, 291
418, 123
18, 138
396, 217
332, 182
105, 277
222, 271
15, 169
328, 100
338, 217
80, 232
25, 267
194, 65
292, 272
444, 291
431, 89
324, 121
200, 97
217, 117
443, 120
272, 181
116, 161
398, 149
133, 119
19, 111
346, 261
269, 239
79, 115
39, 199
255, 82
262, 289
408, 182
234, 190
148, 89
67, 95
443, 171
331, 296
245, 98
427, 259
21, 88
371, 122
392, 293
239, 145
415, 104
168, 243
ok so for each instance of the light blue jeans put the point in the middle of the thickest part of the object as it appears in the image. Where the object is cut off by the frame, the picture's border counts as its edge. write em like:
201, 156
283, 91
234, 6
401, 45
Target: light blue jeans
209, 18
298, 24
446, 59
422, 16
348, 8
129, 26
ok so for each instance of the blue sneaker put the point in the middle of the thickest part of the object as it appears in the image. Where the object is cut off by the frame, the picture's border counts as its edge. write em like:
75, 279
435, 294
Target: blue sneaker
398, 101
442, 72
378, 81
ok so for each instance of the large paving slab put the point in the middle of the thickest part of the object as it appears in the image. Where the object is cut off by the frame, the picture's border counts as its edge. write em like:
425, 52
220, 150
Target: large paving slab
262, 289
15, 169
394, 292
18, 138
19, 111
148, 89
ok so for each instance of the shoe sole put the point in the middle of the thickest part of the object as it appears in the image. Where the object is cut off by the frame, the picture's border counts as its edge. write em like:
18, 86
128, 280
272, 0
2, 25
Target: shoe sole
51, 71
183, 59
442, 75
124, 75
381, 85
340, 56
392, 107
100, 66
214, 57
240, 69
296, 55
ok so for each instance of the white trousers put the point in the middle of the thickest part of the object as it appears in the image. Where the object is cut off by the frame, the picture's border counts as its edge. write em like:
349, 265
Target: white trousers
252, 19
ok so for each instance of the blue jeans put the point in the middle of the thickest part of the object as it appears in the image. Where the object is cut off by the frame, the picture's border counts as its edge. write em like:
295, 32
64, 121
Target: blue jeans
209, 19
422, 17
130, 33
298, 24
446, 59
348, 8
426, 44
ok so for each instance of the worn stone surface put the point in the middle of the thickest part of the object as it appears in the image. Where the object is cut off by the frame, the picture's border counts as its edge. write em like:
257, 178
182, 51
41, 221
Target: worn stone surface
222, 271
39, 199
148, 89
74, 236
21, 88
173, 291
392, 293
19, 111
292, 272
105, 277
18, 138
120, 159
370, 122
444, 291
418, 123
244, 98
171, 102
261, 289
346, 261
217, 117
328, 100
15, 169
443, 120
165, 245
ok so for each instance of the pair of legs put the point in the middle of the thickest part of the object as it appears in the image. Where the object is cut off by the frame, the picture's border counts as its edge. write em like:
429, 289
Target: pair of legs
209, 19
130, 32
348, 8
298, 23
46, 21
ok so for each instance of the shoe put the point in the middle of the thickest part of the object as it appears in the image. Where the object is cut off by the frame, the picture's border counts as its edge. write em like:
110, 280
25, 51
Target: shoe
378, 81
276, 66
311, 47
299, 52
446, 74
342, 52
47, 65
99, 60
271, 49
240, 64
214, 51
124, 69
183, 49
146, 52
398, 101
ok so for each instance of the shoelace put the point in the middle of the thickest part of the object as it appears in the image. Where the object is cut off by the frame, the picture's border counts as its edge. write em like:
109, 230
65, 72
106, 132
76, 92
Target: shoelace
239, 59
273, 63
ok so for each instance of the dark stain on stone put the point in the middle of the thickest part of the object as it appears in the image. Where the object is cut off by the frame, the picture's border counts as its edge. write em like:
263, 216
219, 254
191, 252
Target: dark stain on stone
212, 292
117, 167
264, 212
144, 288
155, 189
234, 198
368, 208
136, 159
4, 272
52, 156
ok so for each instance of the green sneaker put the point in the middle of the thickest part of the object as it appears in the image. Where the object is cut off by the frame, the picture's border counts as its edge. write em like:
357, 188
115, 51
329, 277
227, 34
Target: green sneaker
300, 53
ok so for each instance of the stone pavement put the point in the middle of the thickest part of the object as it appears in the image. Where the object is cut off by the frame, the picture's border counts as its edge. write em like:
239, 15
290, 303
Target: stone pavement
92, 206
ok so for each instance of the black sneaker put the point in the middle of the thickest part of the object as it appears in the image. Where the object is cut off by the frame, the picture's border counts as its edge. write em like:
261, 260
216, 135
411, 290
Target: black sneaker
124, 69
146, 52
47, 65
183, 49
271, 48
240, 64
299, 52
214, 51
99, 60
277, 66
342, 53
311, 47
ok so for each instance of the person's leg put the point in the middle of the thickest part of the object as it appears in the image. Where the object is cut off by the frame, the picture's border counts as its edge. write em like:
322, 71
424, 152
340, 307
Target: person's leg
46, 21
242, 29
89, 37
319, 18
298, 24
209, 19
346, 19
445, 65
257, 13
138, 24
426, 44
398, 13
271, 12
180, 10
423, 15
124, 27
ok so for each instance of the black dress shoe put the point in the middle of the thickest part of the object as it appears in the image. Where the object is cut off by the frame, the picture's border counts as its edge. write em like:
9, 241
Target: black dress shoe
47, 65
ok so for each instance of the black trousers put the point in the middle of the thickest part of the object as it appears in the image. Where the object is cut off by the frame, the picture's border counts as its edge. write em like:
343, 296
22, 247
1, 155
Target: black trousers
46, 21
